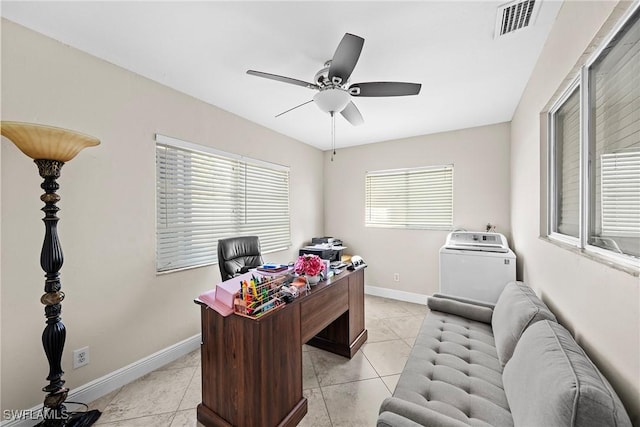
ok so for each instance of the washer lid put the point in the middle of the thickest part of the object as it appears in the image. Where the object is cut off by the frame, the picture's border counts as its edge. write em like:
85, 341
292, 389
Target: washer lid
477, 241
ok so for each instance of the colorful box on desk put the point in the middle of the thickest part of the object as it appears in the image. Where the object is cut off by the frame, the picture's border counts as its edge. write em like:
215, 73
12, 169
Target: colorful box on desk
221, 297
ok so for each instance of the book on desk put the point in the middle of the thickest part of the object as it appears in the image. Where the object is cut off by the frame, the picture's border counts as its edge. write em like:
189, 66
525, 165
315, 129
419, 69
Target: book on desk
273, 268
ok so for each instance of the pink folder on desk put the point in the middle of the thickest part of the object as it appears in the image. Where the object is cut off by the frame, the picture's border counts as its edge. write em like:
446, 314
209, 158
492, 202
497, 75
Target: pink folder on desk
221, 297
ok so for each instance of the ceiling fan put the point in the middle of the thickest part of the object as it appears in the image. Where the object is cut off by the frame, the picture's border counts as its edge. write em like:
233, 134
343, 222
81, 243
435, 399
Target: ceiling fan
332, 83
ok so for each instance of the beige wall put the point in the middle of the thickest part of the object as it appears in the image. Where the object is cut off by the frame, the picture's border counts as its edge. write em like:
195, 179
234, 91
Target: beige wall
107, 227
481, 194
115, 303
599, 304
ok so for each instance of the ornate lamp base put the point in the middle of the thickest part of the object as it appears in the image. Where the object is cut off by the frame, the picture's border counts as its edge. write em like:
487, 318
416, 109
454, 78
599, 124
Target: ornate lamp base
54, 334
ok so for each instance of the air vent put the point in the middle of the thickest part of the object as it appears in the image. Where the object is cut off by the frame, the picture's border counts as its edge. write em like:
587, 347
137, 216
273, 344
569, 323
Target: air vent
515, 15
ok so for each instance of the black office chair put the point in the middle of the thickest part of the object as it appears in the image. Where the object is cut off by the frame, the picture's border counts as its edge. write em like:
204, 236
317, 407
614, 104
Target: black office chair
236, 255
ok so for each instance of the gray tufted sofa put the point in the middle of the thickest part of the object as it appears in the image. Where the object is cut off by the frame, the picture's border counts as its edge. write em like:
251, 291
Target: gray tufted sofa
504, 365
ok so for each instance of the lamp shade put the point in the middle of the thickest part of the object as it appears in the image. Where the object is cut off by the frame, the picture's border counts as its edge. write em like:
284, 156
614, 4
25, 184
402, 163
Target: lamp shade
332, 100
46, 142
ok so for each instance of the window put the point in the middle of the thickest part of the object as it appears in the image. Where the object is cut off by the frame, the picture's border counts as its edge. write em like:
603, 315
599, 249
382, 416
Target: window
595, 167
410, 198
203, 195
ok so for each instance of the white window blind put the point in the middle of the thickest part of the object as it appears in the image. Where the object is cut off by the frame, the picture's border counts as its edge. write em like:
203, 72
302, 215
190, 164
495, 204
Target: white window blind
204, 195
621, 194
410, 198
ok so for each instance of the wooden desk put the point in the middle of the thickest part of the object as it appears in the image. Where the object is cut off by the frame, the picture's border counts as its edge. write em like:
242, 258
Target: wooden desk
252, 369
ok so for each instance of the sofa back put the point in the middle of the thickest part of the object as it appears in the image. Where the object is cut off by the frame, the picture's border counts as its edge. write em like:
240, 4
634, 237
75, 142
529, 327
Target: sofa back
550, 381
517, 308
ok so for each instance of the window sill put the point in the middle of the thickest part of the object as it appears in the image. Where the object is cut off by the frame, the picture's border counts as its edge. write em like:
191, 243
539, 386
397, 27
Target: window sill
592, 256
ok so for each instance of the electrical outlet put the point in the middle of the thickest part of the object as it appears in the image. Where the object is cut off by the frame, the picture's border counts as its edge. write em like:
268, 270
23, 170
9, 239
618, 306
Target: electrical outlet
80, 357
396, 277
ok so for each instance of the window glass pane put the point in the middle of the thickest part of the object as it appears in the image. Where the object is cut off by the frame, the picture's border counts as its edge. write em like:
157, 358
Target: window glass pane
614, 151
566, 140
410, 198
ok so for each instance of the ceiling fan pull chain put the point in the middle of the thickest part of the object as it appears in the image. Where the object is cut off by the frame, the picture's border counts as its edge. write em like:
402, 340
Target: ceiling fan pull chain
333, 134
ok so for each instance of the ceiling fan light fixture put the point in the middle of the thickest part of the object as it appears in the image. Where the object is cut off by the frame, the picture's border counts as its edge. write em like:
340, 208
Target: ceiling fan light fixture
332, 100
332, 83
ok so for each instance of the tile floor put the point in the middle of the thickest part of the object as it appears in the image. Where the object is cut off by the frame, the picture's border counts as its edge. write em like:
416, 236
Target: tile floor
339, 391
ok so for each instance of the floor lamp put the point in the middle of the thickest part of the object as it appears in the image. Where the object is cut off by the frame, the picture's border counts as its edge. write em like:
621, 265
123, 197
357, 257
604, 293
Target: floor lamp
50, 148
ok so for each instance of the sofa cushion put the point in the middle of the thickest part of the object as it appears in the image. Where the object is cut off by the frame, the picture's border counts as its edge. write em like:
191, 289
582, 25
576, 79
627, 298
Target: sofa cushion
550, 381
396, 412
517, 308
467, 310
453, 369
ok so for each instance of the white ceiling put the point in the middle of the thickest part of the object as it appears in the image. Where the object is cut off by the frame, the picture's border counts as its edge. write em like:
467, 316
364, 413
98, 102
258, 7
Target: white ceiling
469, 78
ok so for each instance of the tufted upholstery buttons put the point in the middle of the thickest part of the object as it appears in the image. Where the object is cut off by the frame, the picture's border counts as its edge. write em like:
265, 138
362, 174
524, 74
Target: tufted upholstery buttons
454, 370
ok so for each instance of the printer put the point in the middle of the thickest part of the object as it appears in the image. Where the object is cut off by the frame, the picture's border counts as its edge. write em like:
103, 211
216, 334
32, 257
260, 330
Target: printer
325, 247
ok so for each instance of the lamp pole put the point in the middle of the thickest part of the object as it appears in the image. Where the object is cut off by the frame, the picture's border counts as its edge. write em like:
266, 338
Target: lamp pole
51, 259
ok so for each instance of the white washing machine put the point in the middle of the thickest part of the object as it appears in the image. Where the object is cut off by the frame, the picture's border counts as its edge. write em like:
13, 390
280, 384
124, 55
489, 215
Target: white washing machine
476, 265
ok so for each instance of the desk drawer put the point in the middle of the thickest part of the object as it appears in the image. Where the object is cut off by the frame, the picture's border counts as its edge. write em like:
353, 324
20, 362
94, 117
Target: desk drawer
319, 310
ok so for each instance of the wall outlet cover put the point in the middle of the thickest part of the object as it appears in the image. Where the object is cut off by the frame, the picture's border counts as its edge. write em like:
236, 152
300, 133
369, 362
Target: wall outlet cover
80, 357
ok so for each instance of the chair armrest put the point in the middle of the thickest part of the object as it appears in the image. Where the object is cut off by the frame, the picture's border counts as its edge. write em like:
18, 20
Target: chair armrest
401, 413
463, 309
245, 269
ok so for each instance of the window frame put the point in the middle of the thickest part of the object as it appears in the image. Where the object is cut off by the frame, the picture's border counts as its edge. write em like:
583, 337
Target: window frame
552, 171
583, 85
239, 219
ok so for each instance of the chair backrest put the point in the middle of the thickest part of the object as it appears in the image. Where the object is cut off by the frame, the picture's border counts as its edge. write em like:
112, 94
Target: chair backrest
237, 254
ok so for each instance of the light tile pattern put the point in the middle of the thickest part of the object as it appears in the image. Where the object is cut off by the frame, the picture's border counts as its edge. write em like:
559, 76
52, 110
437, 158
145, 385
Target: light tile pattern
339, 391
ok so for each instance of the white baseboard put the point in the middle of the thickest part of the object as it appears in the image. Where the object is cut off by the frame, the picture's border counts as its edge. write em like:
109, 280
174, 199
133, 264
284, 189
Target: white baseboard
114, 380
396, 294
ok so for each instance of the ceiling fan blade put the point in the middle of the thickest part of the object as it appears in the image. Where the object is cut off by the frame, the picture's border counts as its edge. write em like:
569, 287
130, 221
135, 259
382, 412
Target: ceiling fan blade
345, 58
283, 79
384, 89
352, 114
297, 106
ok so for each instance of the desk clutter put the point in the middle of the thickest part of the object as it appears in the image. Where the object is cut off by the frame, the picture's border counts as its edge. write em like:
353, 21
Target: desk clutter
258, 295
255, 293
271, 286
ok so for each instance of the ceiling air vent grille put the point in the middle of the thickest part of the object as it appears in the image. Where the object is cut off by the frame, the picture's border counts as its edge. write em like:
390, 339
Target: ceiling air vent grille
515, 15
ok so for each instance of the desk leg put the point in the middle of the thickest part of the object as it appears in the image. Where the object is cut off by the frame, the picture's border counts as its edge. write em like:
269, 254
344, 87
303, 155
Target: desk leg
346, 334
